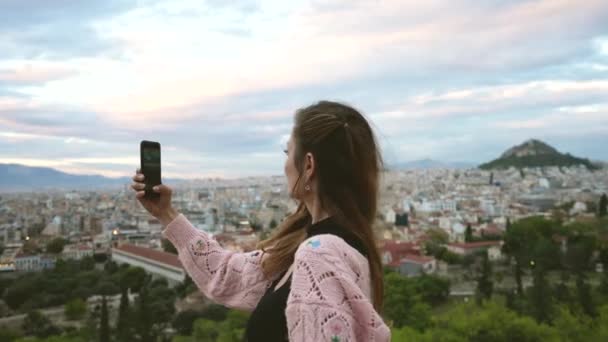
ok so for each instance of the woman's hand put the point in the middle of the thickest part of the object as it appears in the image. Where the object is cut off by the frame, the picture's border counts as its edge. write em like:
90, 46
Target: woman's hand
160, 207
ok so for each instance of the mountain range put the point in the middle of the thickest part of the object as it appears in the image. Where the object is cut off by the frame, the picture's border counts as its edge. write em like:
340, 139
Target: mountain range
19, 178
532, 153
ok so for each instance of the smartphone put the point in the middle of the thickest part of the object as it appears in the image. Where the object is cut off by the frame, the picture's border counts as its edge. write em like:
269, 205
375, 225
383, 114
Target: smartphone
150, 166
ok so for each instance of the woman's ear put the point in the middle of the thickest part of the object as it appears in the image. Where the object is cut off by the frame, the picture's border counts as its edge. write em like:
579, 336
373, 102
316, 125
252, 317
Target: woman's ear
309, 166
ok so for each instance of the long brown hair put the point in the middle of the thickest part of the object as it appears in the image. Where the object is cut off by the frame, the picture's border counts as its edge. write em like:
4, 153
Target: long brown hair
348, 165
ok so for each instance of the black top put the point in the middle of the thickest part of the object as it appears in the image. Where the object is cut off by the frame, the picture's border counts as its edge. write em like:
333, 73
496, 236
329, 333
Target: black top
267, 321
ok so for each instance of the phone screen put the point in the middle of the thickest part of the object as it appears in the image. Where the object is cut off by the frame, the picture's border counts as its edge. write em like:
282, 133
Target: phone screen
150, 160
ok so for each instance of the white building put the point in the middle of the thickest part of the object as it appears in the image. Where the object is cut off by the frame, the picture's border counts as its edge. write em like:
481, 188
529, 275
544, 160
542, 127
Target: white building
158, 263
77, 252
390, 216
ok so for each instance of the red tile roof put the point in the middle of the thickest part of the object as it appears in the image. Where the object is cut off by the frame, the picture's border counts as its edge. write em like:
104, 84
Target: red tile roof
478, 244
418, 258
152, 254
399, 249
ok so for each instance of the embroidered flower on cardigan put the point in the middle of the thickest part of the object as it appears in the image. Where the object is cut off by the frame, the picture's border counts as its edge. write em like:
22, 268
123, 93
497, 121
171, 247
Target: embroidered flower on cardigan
314, 243
335, 328
198, 248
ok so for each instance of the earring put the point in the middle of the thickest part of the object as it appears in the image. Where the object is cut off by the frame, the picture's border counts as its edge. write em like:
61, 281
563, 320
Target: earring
307, 187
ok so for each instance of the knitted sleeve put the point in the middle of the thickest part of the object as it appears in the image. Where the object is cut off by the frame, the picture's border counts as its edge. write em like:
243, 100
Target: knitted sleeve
226, 277
330, 294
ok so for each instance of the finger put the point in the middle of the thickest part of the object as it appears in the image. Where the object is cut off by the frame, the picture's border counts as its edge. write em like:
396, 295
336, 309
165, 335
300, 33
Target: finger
140, 194
138, 178
162, 189
138, 186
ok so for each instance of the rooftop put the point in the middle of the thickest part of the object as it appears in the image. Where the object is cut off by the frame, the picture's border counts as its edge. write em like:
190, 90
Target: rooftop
151, 254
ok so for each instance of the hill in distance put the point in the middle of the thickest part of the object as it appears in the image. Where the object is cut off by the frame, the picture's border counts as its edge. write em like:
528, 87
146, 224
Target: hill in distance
535, 153
19, 178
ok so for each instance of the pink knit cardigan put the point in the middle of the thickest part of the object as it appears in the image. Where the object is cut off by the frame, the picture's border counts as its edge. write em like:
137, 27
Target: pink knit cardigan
330, 289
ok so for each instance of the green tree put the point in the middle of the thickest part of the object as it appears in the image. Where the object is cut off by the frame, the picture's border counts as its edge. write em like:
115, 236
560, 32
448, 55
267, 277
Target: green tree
110, 267
540, 296
132, 278
273, 224
485, 285
600, 332
205, 330
185, 288
144, 315
104, 324
184, 321
602, 207
161, 304
185, 339
437, 236
562, 291
55, 246
22, 289
471, 323
468, 233
584, 296
87, 263
403, 304
8, 335
233, 328
37, 324
75, 309
433, 290
572, 328
530, 242
603, 288
31, 247
123, 327
168, 246
581, 246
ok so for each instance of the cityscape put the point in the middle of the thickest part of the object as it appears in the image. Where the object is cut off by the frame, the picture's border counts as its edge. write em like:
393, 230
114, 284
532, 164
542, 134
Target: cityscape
435, 226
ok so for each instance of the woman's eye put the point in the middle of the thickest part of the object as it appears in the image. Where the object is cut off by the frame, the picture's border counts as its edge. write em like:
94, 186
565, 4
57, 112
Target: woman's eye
285, 151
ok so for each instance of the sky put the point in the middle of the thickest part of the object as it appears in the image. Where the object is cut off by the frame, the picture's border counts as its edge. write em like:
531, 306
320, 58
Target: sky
217, 82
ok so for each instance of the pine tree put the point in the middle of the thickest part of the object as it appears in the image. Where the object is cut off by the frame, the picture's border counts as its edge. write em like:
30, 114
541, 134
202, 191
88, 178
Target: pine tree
510, 300
519, 272
485, 285
603, 206
584, 295
144, 320
123, 334
104, 326
540, 299
603, 288
468, 234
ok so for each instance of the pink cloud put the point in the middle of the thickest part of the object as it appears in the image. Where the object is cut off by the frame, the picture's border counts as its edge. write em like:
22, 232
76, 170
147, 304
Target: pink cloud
35, 72
319, 46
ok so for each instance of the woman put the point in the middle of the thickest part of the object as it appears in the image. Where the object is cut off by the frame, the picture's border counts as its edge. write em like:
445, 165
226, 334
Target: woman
319, 276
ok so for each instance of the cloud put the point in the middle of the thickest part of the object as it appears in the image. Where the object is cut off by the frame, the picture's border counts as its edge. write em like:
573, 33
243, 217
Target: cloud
56, 29
366, 42
218, 82
34, 74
